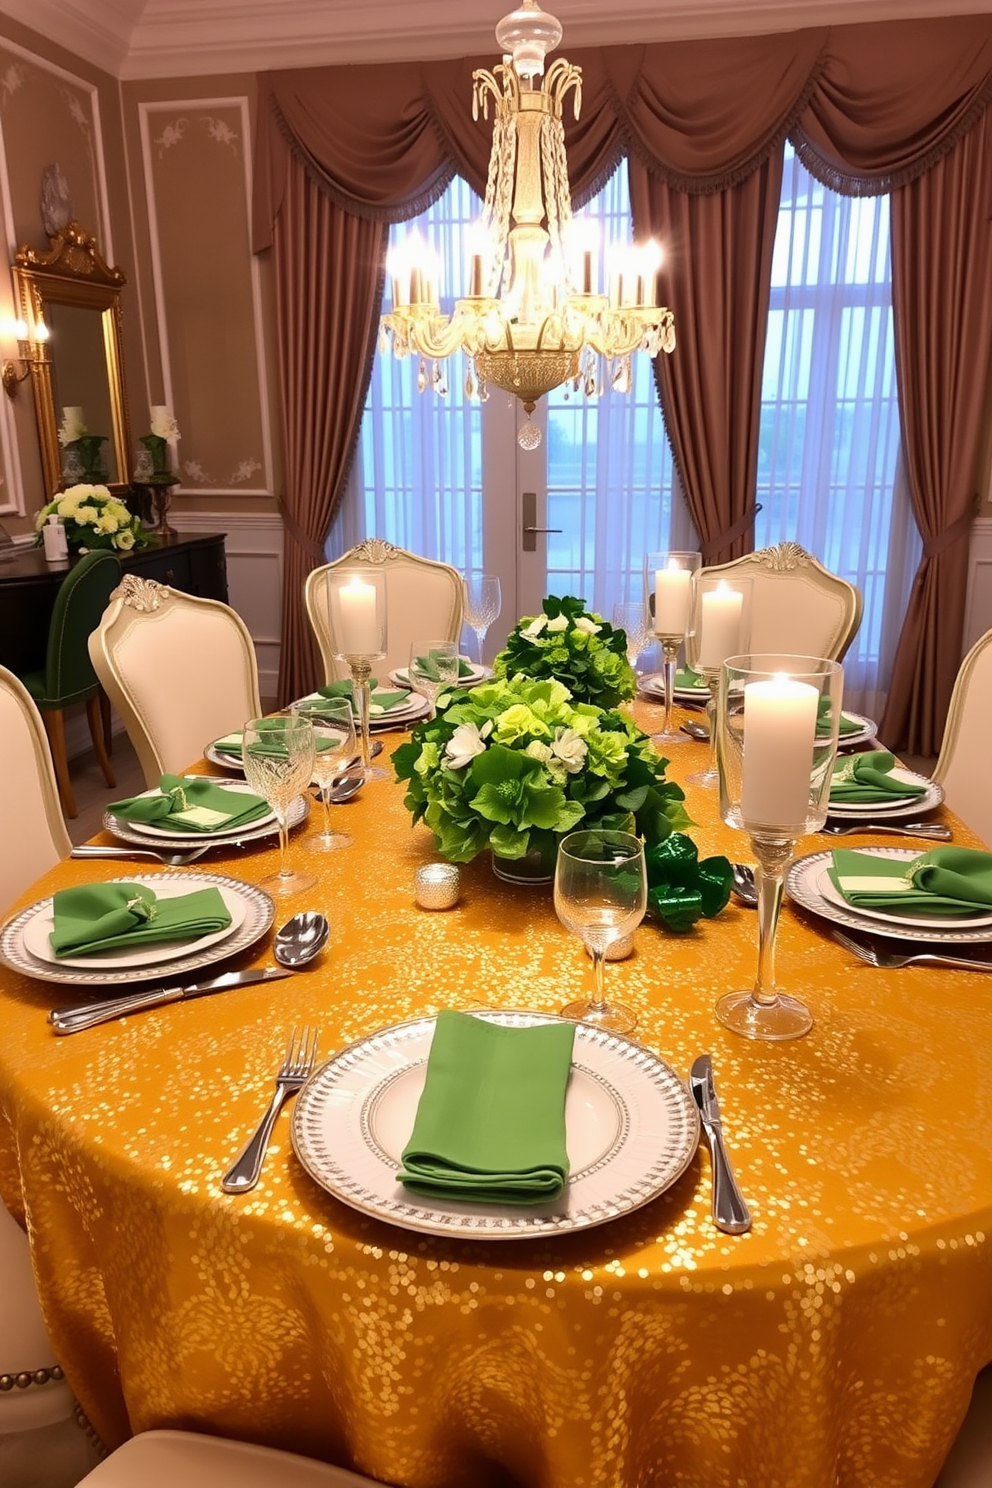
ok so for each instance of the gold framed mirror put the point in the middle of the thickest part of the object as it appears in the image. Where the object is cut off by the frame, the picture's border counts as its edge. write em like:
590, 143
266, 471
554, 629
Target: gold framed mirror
75, 292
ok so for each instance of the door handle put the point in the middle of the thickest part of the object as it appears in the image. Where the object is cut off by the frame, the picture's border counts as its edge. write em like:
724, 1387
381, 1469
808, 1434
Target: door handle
528, 511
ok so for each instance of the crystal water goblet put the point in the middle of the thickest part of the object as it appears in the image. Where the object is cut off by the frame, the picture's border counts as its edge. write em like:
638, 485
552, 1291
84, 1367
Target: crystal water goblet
333, 724
777, 722
277, 755
669, 588
632, 618
483, 602
433, 669
600, 896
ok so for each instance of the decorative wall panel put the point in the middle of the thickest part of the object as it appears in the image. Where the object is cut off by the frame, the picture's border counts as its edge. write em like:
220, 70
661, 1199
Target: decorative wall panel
196, 156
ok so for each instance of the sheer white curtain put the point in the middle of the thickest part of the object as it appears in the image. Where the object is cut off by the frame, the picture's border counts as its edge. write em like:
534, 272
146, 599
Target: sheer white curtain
612, 486
417, 476
830, 469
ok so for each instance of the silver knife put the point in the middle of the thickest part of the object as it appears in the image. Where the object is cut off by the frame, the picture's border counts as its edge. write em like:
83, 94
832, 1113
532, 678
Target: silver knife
86, 1015
730, 1212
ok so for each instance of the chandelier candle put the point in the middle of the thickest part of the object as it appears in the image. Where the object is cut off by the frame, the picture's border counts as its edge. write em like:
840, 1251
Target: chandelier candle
779, 734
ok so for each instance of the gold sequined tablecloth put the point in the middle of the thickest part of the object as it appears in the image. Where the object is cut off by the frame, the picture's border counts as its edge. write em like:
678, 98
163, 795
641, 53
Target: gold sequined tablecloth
833, 1345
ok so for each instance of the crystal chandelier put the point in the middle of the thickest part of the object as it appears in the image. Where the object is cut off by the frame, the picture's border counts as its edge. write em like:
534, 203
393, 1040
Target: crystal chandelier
532, 319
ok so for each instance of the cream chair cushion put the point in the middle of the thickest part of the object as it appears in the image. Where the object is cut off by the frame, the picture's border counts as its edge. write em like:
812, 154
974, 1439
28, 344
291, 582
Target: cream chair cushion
424, 601
180, 671
29, 801
963, 763
797, 606
182, 1459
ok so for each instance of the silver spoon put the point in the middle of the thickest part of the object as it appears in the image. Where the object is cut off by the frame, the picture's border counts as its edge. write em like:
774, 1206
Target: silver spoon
695, 730
744, 885
300, 939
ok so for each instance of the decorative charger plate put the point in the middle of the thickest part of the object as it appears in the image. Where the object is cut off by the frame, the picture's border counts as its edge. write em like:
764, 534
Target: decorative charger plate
867, 731
478, 674
654, 687
39, 927
259, 914
632, 1129
146, 834
895, 807
804, 884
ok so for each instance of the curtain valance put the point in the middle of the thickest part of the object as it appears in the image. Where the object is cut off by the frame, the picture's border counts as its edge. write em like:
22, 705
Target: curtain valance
871, 107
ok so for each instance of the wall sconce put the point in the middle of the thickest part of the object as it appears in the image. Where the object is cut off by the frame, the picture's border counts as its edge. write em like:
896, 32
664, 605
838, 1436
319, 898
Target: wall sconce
32, 347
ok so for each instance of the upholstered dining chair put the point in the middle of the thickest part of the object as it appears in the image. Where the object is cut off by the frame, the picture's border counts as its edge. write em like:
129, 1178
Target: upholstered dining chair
68, 676
37, 1420
969, 1464
180, 671
423, 598
797, 605
165, 1459
962, 765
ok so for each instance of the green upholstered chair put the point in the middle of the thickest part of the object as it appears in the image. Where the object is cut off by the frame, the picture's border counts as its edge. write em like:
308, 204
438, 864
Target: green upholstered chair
68, 676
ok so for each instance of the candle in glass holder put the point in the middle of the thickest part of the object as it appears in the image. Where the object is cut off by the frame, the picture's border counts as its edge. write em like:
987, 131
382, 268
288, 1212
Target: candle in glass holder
359, 620
719, 624
779, 737
672, 599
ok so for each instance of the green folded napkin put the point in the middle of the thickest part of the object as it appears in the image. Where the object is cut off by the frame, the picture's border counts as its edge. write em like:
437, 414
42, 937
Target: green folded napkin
946, 881
381, 702
868, 777
429, 667
231, 744
847, 725
490, 1126
200, 805
689, 680
103, 916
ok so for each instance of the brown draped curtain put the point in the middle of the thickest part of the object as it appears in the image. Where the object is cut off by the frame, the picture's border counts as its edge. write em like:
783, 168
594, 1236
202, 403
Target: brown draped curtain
871, 108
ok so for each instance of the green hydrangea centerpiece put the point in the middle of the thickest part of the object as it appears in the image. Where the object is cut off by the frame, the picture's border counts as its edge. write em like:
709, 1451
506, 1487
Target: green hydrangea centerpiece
575, 646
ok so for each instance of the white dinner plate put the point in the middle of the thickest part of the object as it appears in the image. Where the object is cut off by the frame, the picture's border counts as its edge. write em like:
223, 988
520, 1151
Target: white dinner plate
896, 806
259, 912
632, 1128
922, 922
38, 929
867, 731
147, 835
803, 884
478, 674
654, 686
151, 829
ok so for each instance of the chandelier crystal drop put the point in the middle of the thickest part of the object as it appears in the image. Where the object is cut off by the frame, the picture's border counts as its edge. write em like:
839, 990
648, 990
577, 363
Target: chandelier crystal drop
531, 319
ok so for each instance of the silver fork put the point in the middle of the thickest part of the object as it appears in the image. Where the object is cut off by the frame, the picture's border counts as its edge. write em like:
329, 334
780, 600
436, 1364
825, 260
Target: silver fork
890, 960
934, 830
295, 1070
171, 860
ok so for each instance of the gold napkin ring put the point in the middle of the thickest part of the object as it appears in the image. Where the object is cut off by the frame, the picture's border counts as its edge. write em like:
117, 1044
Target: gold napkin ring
141, 908
178, 798
846, 771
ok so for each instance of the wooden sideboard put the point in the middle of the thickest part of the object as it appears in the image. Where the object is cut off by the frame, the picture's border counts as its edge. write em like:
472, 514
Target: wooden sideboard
29, 584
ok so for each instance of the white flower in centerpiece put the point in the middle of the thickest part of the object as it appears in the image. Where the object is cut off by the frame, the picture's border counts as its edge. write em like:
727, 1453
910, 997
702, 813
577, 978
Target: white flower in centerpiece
163, 422
569, 750
587, 626
559, 623
539, 751
533, 630
465, 743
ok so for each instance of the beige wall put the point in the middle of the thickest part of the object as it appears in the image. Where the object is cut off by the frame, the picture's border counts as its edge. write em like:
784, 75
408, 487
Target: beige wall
161, 173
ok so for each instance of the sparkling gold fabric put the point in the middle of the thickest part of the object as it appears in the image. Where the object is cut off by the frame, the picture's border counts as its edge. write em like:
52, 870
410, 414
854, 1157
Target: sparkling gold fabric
833, 1345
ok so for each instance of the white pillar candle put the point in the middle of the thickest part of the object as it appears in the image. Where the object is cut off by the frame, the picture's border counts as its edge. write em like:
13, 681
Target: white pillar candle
719, 624
359, 619
672, 596
779, 736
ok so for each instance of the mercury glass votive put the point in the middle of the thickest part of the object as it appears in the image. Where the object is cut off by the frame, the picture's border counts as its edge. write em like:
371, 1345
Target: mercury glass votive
437, 885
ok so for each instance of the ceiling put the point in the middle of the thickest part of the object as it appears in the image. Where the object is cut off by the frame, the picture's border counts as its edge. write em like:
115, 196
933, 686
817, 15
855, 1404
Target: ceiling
178, 38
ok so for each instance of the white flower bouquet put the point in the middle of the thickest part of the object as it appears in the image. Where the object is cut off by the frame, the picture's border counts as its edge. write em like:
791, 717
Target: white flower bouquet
93, 518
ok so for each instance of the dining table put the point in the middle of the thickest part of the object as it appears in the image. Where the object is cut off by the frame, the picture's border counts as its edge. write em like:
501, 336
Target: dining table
833, 1345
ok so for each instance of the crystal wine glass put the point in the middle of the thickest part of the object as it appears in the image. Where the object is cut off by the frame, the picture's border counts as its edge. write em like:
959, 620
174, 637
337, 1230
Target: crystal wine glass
277, 754
333, 724
777, 723
483, 602
600, 896
633, 619
433, 668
